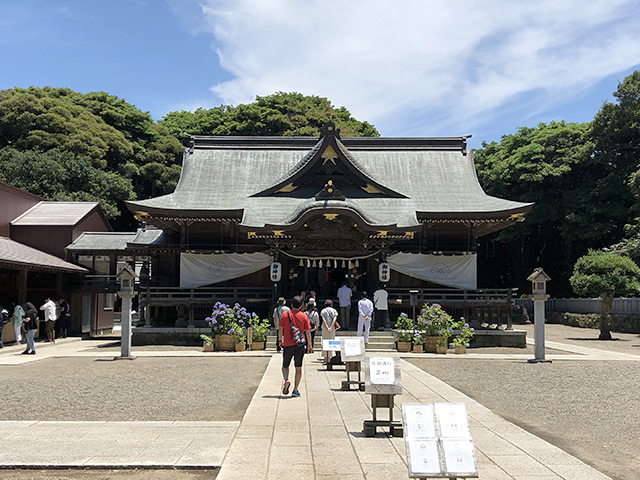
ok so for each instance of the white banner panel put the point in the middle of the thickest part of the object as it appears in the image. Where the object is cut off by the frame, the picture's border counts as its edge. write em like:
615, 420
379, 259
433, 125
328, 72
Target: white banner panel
198, 270
459, 271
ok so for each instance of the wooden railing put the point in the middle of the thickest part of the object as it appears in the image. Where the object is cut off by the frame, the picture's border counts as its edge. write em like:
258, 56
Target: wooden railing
206, 296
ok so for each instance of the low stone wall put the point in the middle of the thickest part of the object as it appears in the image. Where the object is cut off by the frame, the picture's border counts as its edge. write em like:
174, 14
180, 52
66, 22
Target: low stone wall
618, 322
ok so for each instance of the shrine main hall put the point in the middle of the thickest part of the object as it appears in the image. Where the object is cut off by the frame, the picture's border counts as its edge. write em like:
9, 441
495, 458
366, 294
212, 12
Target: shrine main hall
255, 218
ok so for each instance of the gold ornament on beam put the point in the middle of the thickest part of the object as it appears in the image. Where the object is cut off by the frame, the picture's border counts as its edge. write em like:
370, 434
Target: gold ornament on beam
371, 189
290, 187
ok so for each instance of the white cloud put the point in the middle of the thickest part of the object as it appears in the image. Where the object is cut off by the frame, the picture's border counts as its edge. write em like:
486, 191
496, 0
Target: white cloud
422, 67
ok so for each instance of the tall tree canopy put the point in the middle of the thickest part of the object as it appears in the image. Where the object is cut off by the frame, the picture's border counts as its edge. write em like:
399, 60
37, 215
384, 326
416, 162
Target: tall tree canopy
540, 165
280, 114
116, 151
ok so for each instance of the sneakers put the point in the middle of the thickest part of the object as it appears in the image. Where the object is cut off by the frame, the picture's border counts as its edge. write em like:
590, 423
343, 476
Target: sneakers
26, 352
32, 352
285, 387
295, 393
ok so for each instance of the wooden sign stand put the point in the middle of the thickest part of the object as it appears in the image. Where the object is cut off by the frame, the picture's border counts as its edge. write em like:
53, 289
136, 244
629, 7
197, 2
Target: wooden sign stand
382, 382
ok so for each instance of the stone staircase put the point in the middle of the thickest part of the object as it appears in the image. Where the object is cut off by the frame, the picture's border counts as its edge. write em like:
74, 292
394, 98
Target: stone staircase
378, 341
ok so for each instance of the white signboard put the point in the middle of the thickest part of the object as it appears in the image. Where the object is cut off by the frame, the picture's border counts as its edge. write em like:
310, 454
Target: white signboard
424, 458
452, 419
331, 345
352, 347
419, 421
458, 456
382, 370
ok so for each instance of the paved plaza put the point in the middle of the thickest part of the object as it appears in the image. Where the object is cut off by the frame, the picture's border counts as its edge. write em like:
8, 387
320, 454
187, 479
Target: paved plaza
266, 435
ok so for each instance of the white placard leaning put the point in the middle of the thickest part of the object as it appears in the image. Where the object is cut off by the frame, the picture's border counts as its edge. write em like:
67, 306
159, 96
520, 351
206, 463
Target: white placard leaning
438, 440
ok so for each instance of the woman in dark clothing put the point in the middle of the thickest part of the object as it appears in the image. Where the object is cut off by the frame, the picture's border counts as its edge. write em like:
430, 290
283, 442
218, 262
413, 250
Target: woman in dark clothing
30, 322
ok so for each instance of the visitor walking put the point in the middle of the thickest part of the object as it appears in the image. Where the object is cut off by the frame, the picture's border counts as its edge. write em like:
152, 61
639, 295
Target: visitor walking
277, 314
291, 349
314, 318
329, 326
381, 304
49, 309
344, 299
365, 311
16, 321
31, 326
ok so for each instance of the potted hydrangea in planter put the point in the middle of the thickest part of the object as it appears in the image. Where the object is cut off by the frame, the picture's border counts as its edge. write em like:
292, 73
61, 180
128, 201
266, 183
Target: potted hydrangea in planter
433, 320
418, 343
207, 343
404, 333
441, 345
463, 337
259, 334
229, 326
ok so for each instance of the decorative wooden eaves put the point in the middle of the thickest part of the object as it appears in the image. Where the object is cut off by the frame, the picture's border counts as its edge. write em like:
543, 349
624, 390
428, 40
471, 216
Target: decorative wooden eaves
329, 166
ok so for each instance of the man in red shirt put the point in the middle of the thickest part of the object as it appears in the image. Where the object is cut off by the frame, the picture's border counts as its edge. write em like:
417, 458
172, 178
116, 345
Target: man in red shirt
290, 348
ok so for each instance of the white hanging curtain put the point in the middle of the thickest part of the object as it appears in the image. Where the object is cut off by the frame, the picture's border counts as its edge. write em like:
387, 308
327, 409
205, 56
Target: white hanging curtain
459, 271
198, 270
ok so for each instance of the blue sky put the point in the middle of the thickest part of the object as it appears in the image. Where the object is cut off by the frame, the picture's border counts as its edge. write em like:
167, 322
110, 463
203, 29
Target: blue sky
423, 68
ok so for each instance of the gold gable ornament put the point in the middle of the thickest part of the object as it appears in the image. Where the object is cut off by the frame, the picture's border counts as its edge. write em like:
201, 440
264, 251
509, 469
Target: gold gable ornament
329, 155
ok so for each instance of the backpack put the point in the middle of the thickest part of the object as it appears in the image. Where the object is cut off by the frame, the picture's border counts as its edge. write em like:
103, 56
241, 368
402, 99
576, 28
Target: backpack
297, 335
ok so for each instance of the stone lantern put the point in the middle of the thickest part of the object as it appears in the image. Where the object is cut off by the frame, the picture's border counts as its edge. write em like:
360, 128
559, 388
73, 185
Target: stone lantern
127, 277
539, 295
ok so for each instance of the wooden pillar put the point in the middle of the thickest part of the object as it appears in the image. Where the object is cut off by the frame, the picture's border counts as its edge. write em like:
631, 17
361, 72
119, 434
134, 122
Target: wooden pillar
22, 286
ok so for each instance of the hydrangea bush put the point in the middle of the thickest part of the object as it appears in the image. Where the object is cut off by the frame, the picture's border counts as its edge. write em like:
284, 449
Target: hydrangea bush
434, 321
227, 320
404, 328
464, 333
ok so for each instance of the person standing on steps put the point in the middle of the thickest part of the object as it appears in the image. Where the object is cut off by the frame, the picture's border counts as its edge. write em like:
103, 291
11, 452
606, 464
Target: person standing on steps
365, 312
290, 348
344, 299
381, 304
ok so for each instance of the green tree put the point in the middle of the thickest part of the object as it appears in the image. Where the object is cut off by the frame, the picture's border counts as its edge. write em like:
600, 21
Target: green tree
605, 274
116, 138
541, 165
280, 114
65, 176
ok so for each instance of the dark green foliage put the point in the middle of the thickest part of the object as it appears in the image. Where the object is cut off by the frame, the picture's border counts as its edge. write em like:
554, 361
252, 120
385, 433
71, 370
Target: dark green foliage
280, 114
107, 149
541, 165
601, 272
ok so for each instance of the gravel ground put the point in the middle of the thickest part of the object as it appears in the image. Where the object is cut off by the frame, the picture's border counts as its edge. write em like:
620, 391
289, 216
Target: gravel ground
588, 337
126, 474
586, 408
89, 389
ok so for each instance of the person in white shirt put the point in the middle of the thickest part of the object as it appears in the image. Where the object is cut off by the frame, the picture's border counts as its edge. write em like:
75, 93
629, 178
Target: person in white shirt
381, 304
344, 299
49, 318
365, 312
